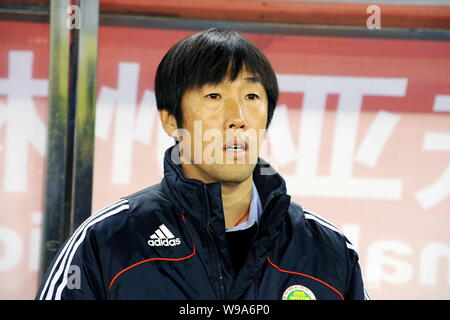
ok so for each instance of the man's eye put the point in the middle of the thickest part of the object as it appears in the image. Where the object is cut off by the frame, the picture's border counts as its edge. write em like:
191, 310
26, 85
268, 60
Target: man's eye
252, 96
213, 96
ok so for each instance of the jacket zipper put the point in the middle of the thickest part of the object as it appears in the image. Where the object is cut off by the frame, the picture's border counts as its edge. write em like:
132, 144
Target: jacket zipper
213, 248
255, 260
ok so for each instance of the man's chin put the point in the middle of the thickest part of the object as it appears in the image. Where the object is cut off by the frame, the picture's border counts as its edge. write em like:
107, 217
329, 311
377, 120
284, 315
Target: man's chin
233, 172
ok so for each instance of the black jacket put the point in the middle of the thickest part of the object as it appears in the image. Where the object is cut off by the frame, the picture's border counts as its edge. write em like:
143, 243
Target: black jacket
169, 242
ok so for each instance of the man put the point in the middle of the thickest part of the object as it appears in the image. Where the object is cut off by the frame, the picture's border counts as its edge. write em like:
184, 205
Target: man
220, 225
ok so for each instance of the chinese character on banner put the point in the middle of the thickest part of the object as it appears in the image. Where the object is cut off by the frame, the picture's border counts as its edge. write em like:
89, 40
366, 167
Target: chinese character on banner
19, 115
431, 195
130, 124
340, 183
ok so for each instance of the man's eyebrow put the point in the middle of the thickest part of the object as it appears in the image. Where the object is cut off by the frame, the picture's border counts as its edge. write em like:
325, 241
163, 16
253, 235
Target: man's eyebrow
252, 79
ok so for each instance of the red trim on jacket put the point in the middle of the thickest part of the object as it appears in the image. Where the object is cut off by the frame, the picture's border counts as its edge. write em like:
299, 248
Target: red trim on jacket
307, 276
242, 217
148, 260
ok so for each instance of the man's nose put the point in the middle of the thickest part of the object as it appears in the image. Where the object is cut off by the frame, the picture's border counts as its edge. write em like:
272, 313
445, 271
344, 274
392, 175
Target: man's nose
235, 115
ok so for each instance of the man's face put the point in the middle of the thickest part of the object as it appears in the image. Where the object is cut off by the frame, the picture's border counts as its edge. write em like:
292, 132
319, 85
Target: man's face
223, 127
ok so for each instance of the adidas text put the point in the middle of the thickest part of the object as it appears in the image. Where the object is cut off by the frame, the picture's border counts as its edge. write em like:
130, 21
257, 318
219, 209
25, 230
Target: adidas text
164, 242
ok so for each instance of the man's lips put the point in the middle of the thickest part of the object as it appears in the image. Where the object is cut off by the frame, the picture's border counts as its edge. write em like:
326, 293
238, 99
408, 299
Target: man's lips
236, 145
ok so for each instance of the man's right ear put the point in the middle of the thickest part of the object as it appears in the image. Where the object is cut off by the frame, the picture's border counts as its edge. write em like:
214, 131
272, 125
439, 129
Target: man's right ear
169, 123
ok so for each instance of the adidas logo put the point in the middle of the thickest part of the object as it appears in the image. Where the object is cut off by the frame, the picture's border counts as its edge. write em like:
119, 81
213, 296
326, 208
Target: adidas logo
163, 237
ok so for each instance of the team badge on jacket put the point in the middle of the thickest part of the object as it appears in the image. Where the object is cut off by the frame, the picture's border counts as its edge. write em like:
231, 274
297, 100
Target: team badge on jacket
298, 292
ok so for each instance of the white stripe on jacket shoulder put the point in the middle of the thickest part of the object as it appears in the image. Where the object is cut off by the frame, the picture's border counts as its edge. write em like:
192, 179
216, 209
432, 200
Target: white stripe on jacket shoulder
60, 268
316, 217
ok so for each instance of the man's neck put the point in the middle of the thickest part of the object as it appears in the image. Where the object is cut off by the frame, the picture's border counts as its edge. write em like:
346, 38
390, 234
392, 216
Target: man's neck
236, 198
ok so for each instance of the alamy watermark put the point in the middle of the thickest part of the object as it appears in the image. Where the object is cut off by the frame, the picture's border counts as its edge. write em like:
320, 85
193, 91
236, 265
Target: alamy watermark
213, 146
74, 277
74, 17
374, 20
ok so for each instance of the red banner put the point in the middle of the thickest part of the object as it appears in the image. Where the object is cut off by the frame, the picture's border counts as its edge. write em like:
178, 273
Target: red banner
361, 134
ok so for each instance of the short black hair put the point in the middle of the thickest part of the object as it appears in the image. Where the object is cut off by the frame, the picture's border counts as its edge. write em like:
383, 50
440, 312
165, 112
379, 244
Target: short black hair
208, 57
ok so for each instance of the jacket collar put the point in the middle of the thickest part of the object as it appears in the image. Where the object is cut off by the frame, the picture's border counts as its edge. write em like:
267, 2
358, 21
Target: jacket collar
202, 202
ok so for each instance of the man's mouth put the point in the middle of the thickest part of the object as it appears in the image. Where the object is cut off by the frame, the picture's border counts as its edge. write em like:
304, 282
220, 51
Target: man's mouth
236, 145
